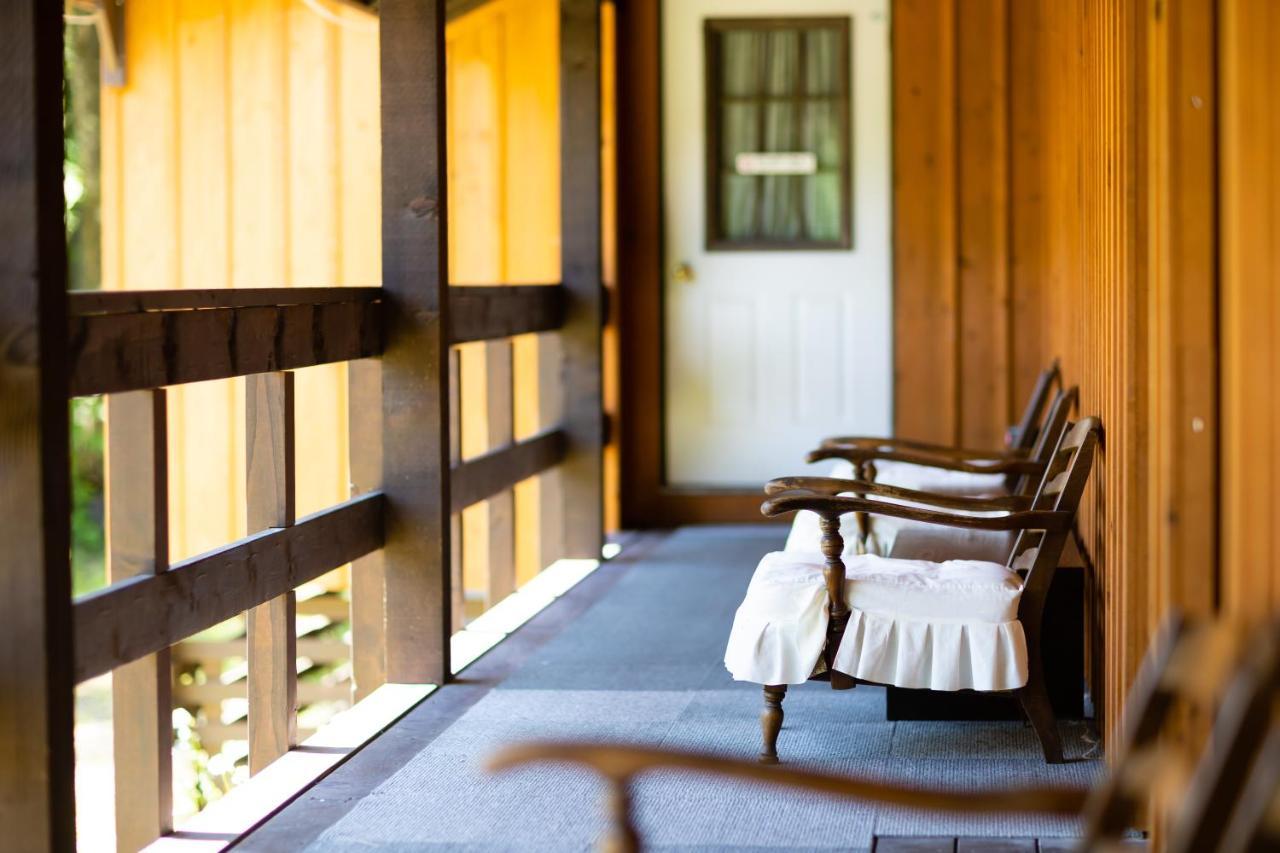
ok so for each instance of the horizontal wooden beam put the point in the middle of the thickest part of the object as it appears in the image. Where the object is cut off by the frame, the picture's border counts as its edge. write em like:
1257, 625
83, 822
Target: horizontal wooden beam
148, 613
485, 313
135, 301
494, 472
113, 351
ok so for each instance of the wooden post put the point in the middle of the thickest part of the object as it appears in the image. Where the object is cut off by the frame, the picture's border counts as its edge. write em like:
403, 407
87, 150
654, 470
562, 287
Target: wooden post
580, 259
501, 507
415, 413
456, 573
137, 477
37, 799
272, 631
368, 610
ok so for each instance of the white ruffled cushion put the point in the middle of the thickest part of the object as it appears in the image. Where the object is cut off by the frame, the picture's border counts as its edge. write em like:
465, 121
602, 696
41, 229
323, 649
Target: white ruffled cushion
913, 623
806, 535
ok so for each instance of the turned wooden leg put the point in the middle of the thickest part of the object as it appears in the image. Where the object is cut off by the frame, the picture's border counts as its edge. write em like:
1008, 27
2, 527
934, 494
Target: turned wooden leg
1035, 703
771, 721
622, 837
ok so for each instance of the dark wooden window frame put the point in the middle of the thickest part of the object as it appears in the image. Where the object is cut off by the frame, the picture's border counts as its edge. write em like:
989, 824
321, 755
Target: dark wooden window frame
713, 28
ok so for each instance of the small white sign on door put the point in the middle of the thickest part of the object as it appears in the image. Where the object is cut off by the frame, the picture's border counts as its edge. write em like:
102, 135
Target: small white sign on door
776, 163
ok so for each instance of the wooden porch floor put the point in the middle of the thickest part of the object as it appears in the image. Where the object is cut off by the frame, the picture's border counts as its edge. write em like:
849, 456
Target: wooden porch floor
634, 653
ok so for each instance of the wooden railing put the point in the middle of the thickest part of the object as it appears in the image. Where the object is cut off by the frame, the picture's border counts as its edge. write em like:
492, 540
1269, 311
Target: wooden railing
407, 481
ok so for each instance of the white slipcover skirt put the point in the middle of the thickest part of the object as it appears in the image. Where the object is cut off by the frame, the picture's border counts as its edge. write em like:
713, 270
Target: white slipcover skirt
806, 535
913, 623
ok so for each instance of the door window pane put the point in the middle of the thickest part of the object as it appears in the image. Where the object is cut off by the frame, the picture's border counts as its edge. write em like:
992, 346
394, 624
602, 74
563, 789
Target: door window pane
778, 170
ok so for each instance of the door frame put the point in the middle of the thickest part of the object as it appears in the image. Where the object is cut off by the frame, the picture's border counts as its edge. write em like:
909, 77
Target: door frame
646, 498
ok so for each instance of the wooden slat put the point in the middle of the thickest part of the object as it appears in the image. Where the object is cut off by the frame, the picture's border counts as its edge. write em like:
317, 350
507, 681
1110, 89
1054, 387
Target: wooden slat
415, 363
484, 476
270, 499
457, 530
501, 556
36, 753
485, 313
926, 291
150, 349
368, 608
84, 303
137, 499
580, 261
201, 592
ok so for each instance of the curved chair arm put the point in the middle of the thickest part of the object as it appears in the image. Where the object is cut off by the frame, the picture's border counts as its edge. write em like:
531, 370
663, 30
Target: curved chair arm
857, 455
830, 486
861, 442
837, 505
619, 764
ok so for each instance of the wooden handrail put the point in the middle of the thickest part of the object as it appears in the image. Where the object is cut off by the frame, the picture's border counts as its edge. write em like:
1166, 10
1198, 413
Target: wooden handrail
485, 313
141, 339
496, 471
148, 613
158, 344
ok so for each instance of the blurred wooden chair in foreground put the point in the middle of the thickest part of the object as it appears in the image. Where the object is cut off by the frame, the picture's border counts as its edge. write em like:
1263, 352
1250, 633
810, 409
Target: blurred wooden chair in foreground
1223, 800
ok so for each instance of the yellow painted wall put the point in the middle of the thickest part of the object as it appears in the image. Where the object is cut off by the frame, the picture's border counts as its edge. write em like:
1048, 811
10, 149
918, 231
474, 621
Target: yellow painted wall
244, 152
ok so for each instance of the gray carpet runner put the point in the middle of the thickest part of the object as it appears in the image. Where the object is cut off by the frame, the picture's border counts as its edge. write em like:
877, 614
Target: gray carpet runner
643, 665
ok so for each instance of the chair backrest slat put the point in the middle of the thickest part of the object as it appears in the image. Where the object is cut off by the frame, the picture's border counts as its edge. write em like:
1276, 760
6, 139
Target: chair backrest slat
1028, 431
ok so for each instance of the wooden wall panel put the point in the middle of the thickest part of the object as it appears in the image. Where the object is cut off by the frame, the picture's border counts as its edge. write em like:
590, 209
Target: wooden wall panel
925, 294
1250, 332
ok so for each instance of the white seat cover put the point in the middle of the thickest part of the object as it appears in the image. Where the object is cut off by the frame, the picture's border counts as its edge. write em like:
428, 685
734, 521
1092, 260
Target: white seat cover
913, 623
806, 535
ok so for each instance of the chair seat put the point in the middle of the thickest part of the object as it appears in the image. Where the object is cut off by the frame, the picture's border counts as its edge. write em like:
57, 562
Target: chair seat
913, 623
806, 536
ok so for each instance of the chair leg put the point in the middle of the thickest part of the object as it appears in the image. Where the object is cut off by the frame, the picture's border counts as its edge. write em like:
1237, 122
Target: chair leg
1035, 703
771, 721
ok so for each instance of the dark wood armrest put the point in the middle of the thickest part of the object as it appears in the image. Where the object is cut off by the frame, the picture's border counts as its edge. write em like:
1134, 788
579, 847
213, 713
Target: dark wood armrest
969, 464
860, 442
828, 486
840, 505
620, 763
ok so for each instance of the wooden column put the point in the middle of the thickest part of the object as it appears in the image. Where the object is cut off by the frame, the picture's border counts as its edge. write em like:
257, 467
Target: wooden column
580, 259
368, 607
415, 397
456, 542
37, 802
501, 507
270, 501
138, 544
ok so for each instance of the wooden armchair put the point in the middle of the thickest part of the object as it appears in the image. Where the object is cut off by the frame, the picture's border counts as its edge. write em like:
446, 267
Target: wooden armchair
1026, 467
1021, 439
1043, 524
1218, 802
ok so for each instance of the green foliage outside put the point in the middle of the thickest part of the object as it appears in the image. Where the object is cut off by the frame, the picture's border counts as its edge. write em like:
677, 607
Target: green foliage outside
82, 187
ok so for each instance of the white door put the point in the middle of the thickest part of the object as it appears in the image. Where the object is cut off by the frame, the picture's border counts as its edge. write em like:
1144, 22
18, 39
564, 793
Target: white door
777, 210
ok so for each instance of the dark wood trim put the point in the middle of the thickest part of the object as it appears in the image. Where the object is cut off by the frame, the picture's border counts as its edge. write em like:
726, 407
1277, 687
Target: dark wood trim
37, 797
137, 498
201, 592
485, 313
85, 303
364, 454
113, 352
415, 364
271, 628
645, 499
582, 474
485, 476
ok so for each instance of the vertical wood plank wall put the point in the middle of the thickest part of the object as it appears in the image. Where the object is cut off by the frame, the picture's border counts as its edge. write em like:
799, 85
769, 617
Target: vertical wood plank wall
1095, 237
243, 152
1249, 31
